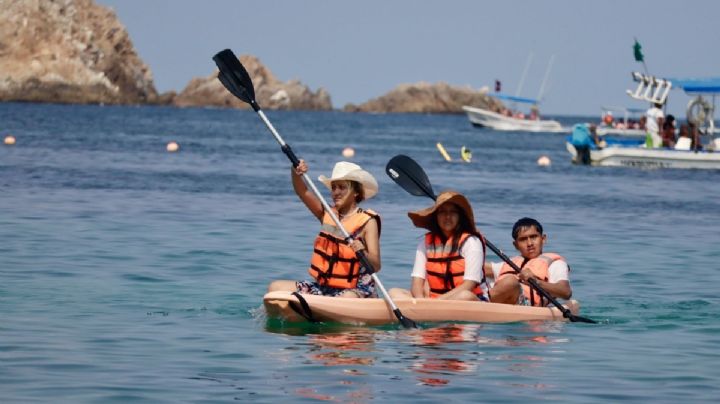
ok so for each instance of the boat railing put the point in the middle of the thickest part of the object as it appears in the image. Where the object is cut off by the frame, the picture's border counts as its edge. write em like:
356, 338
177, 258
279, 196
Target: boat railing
626, 111
650, 88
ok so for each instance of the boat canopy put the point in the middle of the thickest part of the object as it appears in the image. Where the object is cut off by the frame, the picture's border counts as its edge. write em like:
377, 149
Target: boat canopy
698, 86
515, 98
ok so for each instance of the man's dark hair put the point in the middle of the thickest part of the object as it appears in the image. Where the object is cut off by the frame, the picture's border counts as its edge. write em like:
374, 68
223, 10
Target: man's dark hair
523, 223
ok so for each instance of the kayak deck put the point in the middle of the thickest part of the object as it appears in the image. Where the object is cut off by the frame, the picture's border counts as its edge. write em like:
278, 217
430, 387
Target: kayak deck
377, 312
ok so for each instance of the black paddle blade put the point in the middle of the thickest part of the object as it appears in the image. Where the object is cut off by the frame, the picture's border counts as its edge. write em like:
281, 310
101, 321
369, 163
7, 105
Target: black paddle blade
580, 319
234, 77
409, 175
406, 322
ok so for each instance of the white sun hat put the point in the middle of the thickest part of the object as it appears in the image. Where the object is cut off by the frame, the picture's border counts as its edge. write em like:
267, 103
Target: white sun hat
345, 170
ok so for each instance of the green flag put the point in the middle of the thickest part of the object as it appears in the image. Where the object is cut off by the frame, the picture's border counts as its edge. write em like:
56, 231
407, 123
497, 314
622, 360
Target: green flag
638, 52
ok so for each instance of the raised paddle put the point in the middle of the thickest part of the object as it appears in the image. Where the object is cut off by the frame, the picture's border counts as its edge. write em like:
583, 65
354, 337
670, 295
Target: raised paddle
237, 80
412, 178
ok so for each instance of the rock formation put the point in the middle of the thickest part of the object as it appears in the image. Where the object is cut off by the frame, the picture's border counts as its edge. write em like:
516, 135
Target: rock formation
427, 98
75, 51
69, 51
270, 92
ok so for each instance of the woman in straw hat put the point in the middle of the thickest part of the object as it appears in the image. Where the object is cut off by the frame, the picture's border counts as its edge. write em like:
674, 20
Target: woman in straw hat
449, 259
334, 266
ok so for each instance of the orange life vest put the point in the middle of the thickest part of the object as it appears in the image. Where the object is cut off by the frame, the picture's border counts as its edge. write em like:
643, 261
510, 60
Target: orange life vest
445, 266
539, 266
333, 262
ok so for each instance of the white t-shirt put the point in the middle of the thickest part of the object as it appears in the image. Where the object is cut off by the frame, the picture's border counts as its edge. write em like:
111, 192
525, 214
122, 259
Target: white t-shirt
472, 251
558, 271
652, 116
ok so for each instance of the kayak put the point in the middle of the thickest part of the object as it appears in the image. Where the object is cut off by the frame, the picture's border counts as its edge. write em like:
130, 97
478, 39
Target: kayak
375, 311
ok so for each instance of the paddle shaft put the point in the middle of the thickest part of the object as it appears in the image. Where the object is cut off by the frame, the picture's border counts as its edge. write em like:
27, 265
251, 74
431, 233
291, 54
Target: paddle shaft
360, 254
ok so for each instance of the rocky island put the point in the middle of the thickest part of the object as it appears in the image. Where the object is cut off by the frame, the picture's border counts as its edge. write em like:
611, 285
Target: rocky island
423, 97
270, 92
69, 51
76, 51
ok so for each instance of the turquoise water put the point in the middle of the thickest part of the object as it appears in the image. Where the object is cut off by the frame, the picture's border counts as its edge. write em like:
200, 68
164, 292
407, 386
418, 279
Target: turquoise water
134, 274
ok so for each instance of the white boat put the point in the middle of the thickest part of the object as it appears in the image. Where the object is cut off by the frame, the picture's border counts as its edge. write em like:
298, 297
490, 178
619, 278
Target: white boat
484, 118
633, 153
620, 153
516, 121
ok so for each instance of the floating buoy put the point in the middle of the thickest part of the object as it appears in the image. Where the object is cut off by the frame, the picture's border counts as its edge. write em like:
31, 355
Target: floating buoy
544, 161
348, 152
173, 147
9, 140
443, 151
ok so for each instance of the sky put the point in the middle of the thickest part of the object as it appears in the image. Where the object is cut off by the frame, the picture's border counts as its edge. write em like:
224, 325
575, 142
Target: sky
359, 50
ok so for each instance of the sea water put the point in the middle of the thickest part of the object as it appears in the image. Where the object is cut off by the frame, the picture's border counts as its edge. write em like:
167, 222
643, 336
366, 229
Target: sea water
129, 273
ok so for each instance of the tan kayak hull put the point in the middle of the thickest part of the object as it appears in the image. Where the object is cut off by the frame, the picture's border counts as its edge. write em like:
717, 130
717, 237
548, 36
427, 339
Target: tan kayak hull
377, 312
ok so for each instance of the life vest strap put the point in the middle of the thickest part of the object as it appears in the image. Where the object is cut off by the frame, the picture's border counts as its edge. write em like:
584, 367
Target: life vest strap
445, 259
332, 238
445, 274
322, 274
439, 291
335, 258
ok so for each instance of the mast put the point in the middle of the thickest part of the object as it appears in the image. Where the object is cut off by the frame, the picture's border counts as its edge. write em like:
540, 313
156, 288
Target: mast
547, 74
524, 73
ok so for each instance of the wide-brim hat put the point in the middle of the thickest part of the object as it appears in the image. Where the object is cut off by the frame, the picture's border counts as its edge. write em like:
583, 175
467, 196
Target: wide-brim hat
424, 218
346, 171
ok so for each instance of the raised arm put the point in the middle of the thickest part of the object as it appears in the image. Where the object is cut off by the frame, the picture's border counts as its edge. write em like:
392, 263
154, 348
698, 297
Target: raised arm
303, 192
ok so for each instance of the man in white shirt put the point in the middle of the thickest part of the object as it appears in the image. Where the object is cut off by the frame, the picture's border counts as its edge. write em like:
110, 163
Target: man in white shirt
655, 118
550, 271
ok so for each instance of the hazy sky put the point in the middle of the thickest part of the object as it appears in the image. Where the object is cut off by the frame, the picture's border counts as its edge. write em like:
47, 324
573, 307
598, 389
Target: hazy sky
361, 49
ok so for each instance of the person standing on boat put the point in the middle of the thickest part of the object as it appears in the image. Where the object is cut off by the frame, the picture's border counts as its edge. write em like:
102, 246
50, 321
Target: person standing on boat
695, 136
583, 136
335, 268
449, 259
549, 270
655, 118
668, 132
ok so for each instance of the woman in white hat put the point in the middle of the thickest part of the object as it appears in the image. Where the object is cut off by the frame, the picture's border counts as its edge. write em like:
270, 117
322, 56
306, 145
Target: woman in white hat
449, 259
334, 266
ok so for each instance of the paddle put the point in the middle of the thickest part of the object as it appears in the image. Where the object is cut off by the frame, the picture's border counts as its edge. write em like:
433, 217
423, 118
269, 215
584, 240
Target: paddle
412, 178
237, 80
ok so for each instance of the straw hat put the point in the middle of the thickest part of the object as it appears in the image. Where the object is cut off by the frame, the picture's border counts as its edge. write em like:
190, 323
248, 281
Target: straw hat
424, 218
347, 171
